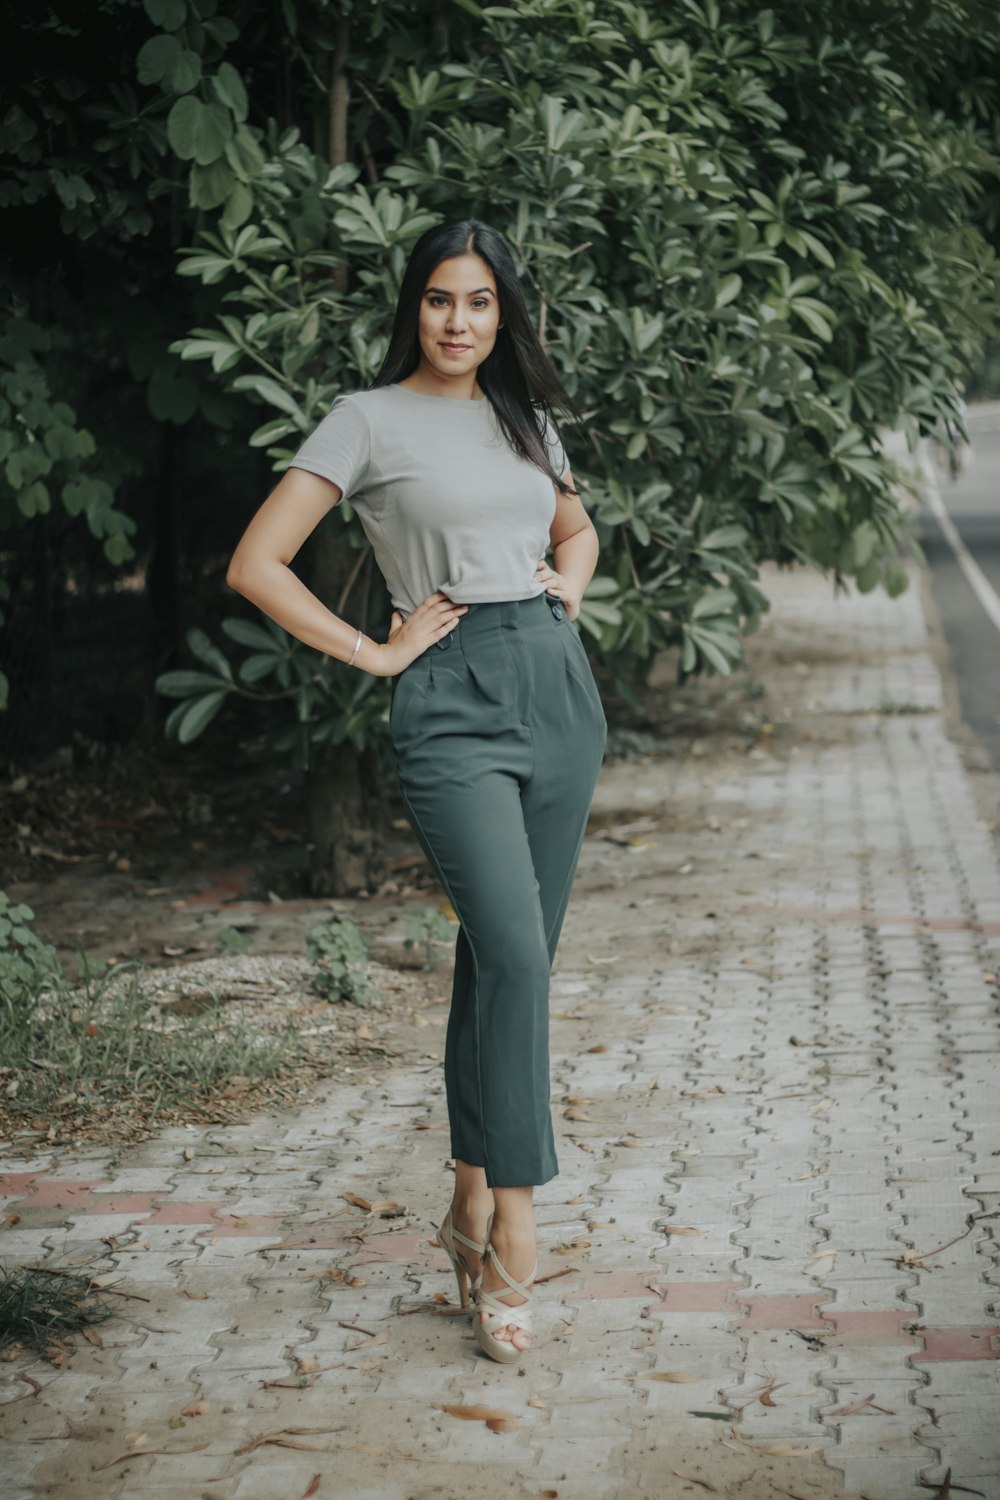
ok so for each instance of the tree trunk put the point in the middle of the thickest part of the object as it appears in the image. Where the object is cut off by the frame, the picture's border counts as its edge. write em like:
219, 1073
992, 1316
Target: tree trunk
346, 811
345, 844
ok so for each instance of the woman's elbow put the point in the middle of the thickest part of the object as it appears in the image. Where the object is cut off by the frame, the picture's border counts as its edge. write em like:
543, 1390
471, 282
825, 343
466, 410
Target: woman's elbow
247, 574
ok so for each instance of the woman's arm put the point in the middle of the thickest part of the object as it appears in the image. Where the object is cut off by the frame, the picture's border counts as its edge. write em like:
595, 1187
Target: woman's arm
575, 550
259, 571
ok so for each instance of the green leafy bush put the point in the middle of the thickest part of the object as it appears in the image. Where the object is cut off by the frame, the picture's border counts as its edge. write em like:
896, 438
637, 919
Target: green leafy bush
339, 950
750, 243
28, 967
327, 706
428, 929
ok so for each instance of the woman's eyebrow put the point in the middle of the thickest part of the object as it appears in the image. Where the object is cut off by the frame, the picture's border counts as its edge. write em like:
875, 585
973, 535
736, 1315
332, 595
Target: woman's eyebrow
441, 291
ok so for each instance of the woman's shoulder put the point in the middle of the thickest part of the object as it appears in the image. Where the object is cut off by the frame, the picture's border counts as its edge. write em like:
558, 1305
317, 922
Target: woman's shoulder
367, 398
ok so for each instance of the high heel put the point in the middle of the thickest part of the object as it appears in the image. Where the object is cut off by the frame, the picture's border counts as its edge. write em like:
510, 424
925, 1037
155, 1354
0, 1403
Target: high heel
447, 1235
499, 1314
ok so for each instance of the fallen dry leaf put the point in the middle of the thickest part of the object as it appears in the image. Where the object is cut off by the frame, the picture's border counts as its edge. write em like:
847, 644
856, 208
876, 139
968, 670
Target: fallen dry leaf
862, 1405
196, 1409
673, 1377
693, 1479
359, 1328
912, 1257
763, 1395
496, 1419
312, 1487
145, 1452
382, 1337
285, 1438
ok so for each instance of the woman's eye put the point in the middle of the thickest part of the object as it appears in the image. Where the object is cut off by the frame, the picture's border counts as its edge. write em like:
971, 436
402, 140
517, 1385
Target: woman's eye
479, 302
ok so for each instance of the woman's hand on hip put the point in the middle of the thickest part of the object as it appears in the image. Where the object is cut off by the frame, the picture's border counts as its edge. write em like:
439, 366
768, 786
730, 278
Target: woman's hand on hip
556, 585
430, 621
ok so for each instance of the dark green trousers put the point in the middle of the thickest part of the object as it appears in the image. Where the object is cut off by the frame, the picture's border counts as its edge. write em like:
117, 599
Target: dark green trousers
499, 734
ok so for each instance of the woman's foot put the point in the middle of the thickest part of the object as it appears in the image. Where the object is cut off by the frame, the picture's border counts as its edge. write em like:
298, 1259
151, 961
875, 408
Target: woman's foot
515, 1248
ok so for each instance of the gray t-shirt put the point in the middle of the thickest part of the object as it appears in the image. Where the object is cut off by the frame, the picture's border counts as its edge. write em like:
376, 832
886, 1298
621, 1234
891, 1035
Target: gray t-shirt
444, 500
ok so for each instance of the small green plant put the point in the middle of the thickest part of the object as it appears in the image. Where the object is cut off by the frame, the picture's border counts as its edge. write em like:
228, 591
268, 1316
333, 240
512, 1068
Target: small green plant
37, 1306
339, 949
27, 965
234, 940
428, 927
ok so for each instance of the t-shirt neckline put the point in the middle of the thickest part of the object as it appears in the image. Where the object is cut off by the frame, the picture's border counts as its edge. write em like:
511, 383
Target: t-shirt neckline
449, 401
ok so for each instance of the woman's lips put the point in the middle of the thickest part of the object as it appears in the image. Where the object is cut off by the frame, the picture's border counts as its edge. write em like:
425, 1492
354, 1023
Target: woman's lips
456, 348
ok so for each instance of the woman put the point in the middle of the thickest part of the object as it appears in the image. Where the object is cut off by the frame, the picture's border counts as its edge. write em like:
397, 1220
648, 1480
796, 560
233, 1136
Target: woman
461, 484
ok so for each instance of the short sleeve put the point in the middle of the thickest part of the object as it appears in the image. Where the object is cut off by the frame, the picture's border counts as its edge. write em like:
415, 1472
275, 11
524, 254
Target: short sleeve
557, 453
339, 449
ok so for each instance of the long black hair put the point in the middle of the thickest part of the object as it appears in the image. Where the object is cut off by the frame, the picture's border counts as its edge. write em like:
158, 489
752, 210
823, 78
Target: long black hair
517, 377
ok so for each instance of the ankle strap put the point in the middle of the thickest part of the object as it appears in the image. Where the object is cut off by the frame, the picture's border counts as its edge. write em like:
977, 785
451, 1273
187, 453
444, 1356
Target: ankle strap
458, 1235
515, 1286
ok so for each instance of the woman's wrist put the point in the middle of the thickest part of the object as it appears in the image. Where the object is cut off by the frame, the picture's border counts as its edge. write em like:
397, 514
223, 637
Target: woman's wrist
373, 657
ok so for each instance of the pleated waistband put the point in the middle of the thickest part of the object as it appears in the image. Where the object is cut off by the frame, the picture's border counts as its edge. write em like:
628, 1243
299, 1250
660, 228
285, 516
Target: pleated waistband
485, 618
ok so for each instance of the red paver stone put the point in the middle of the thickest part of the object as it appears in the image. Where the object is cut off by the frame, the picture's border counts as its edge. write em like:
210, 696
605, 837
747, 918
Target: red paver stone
958, 1343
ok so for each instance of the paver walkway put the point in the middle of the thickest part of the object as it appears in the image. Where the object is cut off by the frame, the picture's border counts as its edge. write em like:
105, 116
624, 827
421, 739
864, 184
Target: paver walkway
775, 1053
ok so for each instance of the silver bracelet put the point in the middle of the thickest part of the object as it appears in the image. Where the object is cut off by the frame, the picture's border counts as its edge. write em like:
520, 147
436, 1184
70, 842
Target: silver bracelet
357, 648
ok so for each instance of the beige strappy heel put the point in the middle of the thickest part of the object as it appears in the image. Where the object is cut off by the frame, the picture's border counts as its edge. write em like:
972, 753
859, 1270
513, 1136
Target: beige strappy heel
447, 1235
501, 1313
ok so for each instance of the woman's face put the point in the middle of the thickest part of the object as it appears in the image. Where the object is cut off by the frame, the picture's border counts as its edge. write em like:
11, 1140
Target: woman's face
459, 308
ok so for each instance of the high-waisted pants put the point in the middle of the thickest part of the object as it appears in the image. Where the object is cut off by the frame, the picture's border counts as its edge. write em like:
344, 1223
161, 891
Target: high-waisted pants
499, 734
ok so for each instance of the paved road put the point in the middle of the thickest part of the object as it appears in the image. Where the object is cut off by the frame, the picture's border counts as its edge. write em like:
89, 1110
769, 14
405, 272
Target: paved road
972, 502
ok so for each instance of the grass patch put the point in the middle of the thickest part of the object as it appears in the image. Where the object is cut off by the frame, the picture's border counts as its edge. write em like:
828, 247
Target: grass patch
98, 1047
43, 1309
